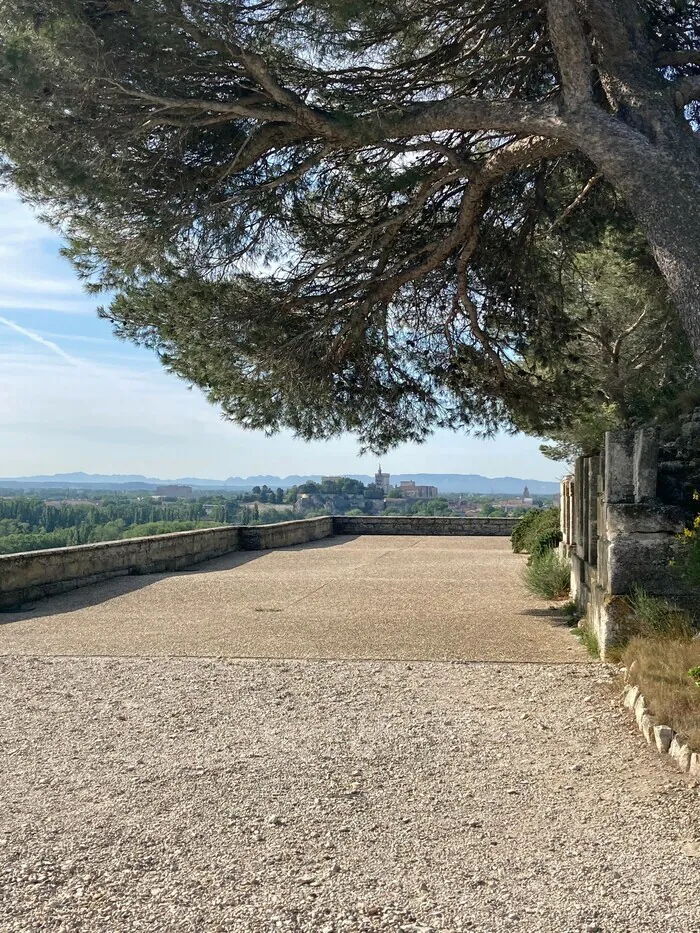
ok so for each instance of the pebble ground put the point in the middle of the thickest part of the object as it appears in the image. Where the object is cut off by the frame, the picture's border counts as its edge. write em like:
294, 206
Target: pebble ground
373, 596
194, 794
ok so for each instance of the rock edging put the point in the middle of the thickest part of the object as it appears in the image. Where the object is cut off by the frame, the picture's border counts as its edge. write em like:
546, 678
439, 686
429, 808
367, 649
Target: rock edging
665, 740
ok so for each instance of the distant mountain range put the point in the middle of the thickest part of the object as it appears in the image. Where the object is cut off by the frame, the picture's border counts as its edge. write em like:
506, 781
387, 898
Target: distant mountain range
445, 482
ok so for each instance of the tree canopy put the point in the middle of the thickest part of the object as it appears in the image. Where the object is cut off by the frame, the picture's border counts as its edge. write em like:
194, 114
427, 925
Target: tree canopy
626, 356
343, 215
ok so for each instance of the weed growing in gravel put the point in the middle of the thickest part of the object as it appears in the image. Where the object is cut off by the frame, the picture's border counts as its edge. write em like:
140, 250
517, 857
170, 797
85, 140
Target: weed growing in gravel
663, 670
588, 639
571, 612
548, 575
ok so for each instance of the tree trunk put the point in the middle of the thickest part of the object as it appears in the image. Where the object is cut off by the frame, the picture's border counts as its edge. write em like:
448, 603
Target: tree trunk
661, 184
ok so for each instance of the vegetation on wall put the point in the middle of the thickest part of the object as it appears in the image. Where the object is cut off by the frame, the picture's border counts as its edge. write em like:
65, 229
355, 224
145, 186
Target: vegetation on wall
687, 559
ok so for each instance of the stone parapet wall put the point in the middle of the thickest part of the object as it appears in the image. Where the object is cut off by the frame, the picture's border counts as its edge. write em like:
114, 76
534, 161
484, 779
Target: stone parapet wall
422, 525
285, 534
34, 574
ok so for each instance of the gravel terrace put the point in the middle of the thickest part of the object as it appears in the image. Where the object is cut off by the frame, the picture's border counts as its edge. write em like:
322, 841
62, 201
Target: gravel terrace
226, 794
388, 597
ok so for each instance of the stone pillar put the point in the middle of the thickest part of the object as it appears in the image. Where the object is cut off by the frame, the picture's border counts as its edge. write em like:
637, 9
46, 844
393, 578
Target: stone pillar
579, 506
619, 466
593, 470
646, 464
566, 489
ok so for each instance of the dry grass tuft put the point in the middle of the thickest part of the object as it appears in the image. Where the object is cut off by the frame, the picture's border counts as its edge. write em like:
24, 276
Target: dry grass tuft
661, 672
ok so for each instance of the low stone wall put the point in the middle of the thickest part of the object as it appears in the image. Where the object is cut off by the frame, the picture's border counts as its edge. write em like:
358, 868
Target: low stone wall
284, 534
33, 574
421, 525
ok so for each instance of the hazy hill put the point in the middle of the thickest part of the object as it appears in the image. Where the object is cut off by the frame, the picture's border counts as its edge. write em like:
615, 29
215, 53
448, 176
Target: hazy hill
445, 482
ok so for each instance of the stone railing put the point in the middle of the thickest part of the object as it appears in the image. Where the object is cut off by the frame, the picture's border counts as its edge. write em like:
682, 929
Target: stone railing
285, 534
34, 574
421, 525
619, 532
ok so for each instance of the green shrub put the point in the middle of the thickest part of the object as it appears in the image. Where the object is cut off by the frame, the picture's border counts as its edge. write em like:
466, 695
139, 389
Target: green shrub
536, 532
572, 613
688, 558
694, 674
522, 531
545, 541
548, 575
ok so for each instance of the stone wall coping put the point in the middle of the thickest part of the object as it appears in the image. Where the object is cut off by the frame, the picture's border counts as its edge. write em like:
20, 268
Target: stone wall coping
30, 575
122, 542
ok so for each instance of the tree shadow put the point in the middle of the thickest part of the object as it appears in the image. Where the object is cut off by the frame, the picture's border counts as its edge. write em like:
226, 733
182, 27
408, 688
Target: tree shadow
122, 584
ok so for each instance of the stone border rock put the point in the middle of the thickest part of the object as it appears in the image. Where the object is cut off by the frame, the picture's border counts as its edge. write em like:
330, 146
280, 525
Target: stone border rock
662, 737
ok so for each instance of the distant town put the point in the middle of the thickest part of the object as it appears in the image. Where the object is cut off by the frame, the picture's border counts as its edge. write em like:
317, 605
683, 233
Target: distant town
34, 517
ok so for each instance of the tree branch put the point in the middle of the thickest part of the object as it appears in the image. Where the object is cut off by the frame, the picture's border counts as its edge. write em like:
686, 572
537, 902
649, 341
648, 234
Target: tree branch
686, 90
571, 49
234, 109
457, 113
627, 333
578, 200
678, 59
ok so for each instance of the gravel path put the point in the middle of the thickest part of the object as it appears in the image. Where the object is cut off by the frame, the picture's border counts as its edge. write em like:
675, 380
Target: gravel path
382, 596
227, 795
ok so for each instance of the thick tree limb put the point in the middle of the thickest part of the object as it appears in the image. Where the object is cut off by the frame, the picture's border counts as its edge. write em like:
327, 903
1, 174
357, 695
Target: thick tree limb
571, 49
686, 90
678, 59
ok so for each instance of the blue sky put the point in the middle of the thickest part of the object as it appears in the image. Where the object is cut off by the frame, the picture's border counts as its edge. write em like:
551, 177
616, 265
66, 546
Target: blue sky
72, 397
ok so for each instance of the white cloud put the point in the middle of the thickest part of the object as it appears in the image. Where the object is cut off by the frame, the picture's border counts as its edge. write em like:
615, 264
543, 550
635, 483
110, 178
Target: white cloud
33, 276
18, 303
22, 283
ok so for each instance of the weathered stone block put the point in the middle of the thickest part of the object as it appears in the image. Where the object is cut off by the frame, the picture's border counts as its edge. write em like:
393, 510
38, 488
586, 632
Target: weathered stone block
647, 726
631, 697
694, 766
640, 710
619, 466
645, 466
680, 753
608, 617
639, 559
663, 736
625, 518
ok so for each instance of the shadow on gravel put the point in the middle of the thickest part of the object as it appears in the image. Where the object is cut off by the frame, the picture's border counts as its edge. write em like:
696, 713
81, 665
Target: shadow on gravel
554, 617
122, 584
